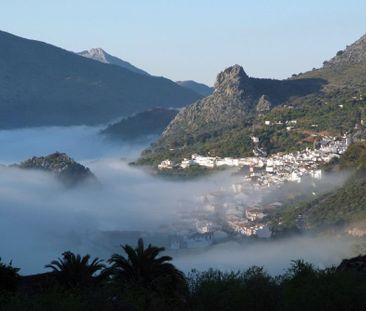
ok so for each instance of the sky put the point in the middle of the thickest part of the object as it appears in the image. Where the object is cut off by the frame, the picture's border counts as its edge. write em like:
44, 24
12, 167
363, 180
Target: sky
195, 39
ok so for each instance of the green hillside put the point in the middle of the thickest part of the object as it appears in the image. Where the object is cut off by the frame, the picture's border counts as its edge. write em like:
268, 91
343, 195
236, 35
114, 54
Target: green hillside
341, 207
326, 101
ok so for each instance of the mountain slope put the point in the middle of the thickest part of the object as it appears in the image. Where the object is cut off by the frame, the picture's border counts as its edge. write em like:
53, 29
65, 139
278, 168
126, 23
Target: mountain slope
199, 88
102, 56
330, 100
345, 206
217, 123
65, 169
148, 122
353, 54
45, 85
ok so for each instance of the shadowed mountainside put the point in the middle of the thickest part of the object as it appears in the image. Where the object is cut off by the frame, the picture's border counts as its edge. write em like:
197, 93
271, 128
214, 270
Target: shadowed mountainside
140, 125
45, 85
199, 88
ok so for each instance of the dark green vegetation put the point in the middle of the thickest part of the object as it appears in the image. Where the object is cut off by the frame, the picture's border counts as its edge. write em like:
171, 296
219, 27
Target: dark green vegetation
140, 125
142, 279
326, 101
45, 85
74, 271
343, 207
8, 277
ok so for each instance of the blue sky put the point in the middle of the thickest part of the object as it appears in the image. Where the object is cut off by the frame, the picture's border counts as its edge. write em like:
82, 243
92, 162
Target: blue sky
195, 39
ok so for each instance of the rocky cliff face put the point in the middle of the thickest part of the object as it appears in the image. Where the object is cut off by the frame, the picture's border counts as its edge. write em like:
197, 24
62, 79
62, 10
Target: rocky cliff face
233, 82
227, 106
353, 54
62, 166
263, 104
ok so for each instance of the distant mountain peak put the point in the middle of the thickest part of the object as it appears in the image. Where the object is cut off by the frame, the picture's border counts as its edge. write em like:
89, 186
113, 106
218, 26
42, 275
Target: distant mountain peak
96, 54
352, 54
102, 56
63, 88
233, 81
227, 106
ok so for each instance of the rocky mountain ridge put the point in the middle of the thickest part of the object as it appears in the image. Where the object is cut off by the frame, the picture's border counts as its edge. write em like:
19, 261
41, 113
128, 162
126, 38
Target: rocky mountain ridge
102, 56
352, 54
242, 107
232, 104
227, 106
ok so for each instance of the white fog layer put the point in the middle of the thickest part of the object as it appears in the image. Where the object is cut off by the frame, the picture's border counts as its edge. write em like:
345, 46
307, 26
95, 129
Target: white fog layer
39, 218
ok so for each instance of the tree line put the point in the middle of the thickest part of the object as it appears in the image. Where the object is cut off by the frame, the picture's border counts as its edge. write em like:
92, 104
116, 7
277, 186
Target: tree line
142, 278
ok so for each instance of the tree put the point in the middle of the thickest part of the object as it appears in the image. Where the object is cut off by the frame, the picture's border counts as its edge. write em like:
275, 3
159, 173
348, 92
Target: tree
9, 277
74, 271
143, 273
214, 290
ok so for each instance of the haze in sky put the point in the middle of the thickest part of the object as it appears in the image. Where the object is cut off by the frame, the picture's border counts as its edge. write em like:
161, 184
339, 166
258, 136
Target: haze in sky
195, 39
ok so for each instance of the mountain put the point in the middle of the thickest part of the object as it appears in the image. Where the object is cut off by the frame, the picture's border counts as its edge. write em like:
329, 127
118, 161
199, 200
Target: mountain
220, 124
199, 88
67, 170
45, 85
330, 100
102, 56
140, 125
352, 55
344, 207
228, 105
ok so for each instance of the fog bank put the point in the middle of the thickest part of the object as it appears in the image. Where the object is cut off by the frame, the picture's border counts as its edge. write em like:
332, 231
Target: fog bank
39, 218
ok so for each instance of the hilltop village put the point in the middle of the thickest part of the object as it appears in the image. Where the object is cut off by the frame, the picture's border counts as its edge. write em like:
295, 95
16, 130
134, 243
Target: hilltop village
274, 169
237, 211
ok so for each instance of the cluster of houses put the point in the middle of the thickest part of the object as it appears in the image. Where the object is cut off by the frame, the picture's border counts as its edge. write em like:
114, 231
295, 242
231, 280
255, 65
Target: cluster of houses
277, 168
251, 224
212, 162
292, 167
223, 212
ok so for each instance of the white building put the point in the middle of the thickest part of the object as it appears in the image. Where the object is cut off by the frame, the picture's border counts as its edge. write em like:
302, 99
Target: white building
187, 163
255, 139
166, 164
204, 161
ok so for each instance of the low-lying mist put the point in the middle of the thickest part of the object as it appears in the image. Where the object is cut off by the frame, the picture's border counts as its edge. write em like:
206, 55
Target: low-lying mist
275, 256
80, 142
39, 218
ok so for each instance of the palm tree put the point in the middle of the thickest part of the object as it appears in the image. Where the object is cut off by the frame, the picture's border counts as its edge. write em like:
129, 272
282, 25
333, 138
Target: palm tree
9, 277
143, 269
75, 271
